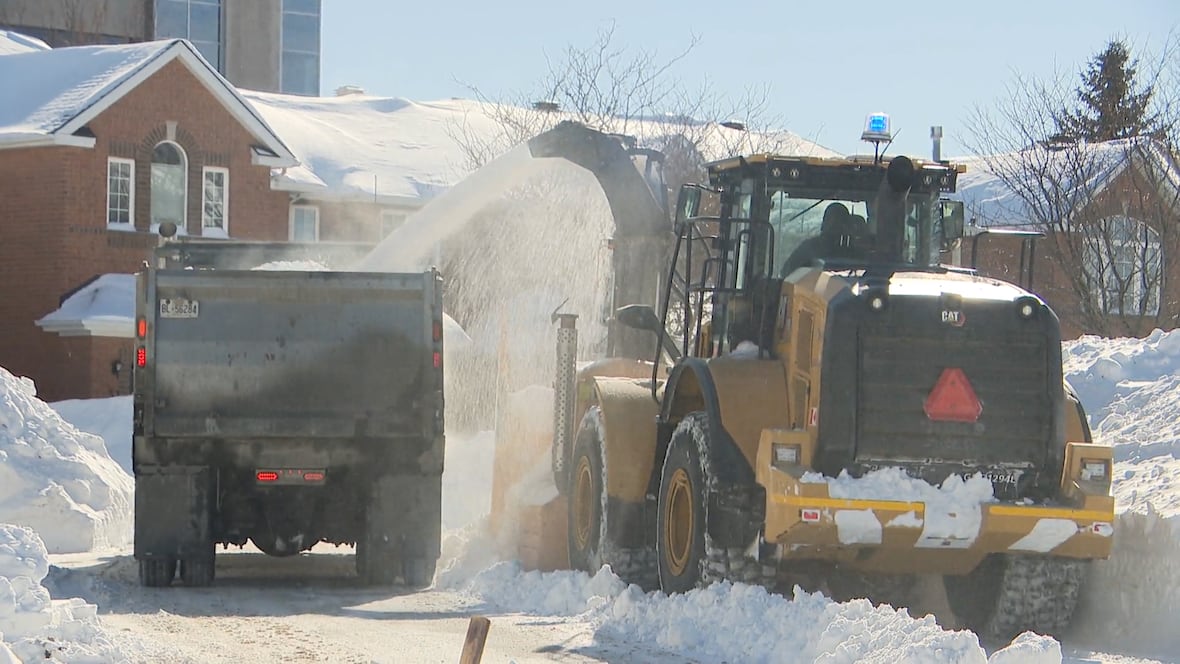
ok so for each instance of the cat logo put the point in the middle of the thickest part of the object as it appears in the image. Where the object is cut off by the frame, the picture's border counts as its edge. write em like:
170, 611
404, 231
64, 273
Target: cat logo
953, 318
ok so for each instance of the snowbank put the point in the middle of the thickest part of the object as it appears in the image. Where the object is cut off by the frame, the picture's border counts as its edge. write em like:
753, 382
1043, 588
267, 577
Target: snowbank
34, 627
730, 622
56, 479
1131, 391
109, 418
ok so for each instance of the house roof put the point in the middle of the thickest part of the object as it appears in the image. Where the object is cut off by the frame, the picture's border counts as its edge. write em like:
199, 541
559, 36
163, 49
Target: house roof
991, 201
368, 148
15, 42
48, 95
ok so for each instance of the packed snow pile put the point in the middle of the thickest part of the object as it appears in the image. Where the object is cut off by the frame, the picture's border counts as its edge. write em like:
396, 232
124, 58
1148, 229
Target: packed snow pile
294, 266
953, 510
1131, 391
109, 418
56, 479
34, 627
733, 622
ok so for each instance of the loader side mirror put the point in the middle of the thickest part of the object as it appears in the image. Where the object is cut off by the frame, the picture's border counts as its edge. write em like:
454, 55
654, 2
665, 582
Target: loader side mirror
639, 317
951, 213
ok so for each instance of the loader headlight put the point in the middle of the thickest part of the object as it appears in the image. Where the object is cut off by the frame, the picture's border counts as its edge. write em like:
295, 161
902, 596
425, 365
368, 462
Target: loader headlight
1095, 470
787, 454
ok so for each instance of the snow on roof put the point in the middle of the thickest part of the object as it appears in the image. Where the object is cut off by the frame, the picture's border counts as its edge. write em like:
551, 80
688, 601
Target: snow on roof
48, 95
363, 147
14, 42
105, 307
992, 203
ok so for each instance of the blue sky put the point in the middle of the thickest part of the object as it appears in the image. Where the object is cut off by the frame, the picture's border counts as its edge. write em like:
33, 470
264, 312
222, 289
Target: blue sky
827, 62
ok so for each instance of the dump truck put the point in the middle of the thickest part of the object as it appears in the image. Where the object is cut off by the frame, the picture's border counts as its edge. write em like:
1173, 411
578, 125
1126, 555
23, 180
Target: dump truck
806, 335
285, 408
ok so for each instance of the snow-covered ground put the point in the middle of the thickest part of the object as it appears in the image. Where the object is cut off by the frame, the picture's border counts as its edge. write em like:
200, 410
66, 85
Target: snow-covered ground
1128, 386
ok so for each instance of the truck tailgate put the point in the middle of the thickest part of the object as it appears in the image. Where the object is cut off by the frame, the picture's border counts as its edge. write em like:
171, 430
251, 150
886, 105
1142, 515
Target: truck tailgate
288, 354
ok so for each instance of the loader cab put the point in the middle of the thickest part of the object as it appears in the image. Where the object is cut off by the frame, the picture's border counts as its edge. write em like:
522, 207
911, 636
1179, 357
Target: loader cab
764, 219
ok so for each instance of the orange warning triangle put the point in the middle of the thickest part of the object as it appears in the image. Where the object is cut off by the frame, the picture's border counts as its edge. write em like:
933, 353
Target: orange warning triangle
953, 399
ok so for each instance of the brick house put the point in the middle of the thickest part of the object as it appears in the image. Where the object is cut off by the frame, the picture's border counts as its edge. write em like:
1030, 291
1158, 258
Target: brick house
1108, 215
98, 145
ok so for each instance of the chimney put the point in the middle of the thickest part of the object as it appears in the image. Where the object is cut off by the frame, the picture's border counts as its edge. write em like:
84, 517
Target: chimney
936, 139
349, 90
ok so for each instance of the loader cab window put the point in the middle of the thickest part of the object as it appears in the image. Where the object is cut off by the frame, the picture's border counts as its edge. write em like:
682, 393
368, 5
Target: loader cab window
807, 229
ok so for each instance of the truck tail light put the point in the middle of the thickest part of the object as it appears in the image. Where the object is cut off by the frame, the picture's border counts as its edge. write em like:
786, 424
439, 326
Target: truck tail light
141, 328
313, 476
437, 360
267, 476
141, 357
437, 331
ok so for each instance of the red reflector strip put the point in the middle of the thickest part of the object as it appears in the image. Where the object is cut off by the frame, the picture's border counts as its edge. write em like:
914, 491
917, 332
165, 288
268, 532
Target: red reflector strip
141, 356
313, 476
141, 328
809, 515
267, 476
437, 360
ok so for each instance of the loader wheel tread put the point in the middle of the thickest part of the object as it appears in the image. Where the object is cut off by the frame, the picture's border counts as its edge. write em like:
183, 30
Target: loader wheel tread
590, 544
709, 563
1018, 593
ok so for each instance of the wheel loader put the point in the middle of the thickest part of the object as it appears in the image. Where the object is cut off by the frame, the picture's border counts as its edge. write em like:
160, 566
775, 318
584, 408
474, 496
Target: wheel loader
806, 338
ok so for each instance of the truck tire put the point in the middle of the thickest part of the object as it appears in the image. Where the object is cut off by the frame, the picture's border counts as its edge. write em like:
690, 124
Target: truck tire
418, 572
1012, 593
196, 573
157, 572
591, 543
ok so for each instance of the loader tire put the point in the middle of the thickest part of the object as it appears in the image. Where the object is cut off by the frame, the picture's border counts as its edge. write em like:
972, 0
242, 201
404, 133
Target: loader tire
1009, 594
687, 556
591, 544
157, 572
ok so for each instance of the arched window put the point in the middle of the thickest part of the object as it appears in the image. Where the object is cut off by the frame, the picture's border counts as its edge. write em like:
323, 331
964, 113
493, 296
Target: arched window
1125, 266
169, 185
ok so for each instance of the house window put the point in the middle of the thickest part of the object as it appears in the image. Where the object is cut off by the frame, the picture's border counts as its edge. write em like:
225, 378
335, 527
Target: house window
198, 21
169, 177
120, 192
215, 202
305, 223
300, 59
390, 220
1125, 266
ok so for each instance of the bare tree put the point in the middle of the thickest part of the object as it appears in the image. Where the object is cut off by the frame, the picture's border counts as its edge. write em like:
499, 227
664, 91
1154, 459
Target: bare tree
1108, 210
634, 94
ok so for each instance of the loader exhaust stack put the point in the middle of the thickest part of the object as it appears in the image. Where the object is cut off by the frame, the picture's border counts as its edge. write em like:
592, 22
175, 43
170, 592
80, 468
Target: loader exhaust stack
563, 393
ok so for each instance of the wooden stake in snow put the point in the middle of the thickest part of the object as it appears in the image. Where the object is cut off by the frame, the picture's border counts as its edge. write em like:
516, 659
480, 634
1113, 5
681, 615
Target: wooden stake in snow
477, 635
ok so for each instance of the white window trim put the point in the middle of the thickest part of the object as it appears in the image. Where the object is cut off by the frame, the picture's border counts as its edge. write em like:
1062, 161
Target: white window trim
291, 221
223, 230
130, 225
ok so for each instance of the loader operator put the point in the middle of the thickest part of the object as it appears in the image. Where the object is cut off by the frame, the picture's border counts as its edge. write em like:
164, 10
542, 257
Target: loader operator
840, 236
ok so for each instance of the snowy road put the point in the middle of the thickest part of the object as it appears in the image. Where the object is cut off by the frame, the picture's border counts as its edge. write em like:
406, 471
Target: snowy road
311, 609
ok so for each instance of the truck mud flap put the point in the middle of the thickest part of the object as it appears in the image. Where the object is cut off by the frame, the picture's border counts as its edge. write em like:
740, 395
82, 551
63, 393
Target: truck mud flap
404, 515
173, 505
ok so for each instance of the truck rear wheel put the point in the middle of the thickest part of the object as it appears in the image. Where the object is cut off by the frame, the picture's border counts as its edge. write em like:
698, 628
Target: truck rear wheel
197, 573
157, 572
1009, 594
590, 539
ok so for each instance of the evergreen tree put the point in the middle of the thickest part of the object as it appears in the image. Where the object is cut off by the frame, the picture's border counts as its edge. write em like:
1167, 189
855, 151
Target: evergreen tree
1110, 105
